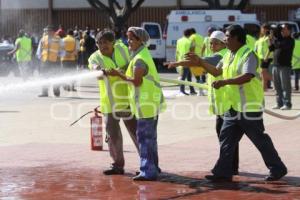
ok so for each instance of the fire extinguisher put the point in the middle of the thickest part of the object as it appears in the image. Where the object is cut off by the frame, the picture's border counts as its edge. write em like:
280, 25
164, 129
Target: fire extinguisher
96, 129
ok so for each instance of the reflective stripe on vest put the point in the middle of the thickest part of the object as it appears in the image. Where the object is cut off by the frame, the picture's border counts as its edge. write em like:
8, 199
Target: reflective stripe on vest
248, 94
113, 90
122, 52
50, 48
215, 96
70, 49
146, 100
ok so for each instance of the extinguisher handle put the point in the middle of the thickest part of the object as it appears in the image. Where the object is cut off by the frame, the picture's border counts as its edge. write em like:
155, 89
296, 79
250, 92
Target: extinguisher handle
97, 111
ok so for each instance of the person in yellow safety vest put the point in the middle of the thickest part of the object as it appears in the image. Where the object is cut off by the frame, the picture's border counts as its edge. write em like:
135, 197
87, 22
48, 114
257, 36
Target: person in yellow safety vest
250, 41
196, 46
296, 60
244, 103
261, 48
206, 51
114, 99
183, 46
146, 101
23, 52
215, 96
69, 60
49, 51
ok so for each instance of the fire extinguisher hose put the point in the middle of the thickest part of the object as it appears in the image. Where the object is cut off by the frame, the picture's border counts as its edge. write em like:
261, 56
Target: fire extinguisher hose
82, 116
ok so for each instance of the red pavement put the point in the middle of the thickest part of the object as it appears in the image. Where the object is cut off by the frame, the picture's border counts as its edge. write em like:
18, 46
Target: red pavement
71, 171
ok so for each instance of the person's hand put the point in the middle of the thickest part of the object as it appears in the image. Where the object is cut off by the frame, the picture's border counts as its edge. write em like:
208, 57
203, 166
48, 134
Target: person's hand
194, 60
218, 84
172, 64
112, 72
265, 75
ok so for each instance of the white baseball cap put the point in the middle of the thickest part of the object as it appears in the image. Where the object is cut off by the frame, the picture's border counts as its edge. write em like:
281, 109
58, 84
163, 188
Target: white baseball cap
219, 35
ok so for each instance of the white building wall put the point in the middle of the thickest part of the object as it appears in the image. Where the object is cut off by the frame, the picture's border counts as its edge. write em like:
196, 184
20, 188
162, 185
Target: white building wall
29, 4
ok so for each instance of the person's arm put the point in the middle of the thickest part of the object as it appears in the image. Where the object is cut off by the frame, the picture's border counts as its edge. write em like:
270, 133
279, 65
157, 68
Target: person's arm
39, 50
239, 80
136, 80
192, 60
17, 47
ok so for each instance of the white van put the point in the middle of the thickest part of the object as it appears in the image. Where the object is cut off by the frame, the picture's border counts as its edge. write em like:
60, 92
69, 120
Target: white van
179, 20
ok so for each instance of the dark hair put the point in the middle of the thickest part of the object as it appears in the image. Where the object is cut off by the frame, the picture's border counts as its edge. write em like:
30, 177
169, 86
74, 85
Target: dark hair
106, 34
187, 32
70, 32
21, 33
288, 26
238, 31
192, 30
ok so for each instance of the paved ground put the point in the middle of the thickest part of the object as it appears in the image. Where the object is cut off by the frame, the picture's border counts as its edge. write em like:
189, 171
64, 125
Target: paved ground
41, 157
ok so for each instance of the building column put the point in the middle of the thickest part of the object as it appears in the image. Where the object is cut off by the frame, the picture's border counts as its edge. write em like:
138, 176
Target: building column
178, 4
50, 11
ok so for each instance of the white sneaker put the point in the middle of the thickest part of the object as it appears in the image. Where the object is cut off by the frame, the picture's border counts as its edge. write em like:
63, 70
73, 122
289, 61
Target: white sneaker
285, 108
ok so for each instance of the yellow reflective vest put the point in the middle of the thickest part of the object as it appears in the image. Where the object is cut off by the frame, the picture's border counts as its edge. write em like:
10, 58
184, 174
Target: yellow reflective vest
183, 46
216, 97
250, 40
197, 41
296, 55
23, 54
50, 48
248, 97
70, 49
261, 47
113, 90
147, 100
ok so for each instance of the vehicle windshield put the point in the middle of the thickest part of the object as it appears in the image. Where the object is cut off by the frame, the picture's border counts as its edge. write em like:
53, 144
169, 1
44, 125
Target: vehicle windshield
153, 31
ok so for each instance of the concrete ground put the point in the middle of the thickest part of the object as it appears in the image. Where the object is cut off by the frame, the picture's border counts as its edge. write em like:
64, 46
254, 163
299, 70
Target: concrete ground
42, 157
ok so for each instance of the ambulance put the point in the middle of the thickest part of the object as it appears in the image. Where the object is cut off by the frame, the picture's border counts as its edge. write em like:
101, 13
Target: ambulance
162, 45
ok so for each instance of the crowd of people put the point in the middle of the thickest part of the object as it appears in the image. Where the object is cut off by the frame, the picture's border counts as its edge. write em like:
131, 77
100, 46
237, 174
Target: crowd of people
276, 48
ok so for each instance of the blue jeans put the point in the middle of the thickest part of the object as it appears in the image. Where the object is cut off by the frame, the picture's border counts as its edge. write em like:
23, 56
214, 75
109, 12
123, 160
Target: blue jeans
282, 83
147, 142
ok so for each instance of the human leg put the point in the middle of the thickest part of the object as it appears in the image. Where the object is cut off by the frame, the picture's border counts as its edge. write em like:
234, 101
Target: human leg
115, 144
253, 126
146, 134
229, 139
277, 86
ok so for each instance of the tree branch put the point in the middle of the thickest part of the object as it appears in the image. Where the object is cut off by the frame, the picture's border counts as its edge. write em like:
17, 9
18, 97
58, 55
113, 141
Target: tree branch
242, 4
230, 4
98, 5
217, 4
210, 3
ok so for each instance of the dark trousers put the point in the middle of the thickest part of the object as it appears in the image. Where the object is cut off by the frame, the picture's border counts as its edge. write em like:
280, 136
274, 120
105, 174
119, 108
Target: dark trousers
297, 74
235, 162
234, 126
186, 74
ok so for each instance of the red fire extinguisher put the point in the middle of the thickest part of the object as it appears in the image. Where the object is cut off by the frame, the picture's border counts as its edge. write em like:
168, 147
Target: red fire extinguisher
96, 129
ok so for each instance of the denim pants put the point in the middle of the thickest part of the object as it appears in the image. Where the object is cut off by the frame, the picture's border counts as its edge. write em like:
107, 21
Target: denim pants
234, 126
147, 142
188, 76
282, 84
